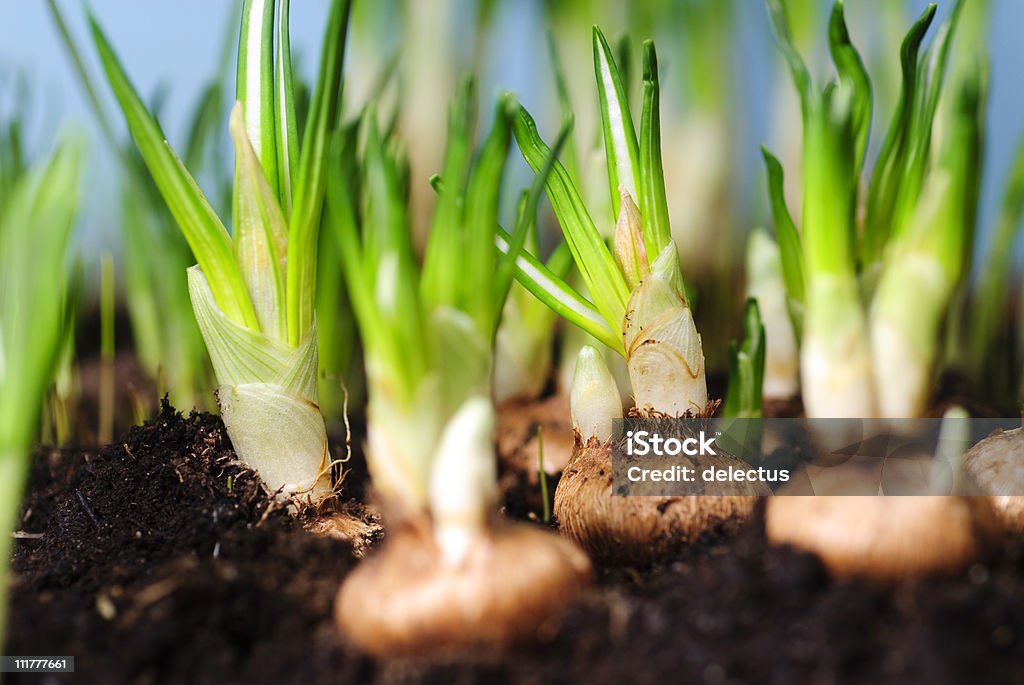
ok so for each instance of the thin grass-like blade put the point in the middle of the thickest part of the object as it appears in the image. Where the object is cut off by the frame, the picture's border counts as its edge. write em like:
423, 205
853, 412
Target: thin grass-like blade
203, 230
791, 251
930, 78
287, 135
994, 280
620, 144
254, 84
653, 200
482, 197
595, 262
307, 201
526, 218
853, 77
553, 291
746, 367
884, 187
441, 283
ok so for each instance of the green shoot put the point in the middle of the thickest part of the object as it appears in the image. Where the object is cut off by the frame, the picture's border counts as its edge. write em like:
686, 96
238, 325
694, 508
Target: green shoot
253, 293
909, 254
746, 368
637, 288
35, 225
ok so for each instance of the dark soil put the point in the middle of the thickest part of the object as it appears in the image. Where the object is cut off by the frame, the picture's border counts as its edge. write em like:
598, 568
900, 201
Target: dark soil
162, 561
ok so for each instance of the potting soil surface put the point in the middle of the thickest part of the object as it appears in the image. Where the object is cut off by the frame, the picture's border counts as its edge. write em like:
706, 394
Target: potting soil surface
158, 559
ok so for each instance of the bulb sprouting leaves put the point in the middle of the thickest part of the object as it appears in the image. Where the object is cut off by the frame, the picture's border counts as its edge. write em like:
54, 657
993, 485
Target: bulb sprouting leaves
663, 348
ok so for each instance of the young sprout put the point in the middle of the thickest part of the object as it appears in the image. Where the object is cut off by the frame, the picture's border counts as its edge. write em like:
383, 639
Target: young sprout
451, 575
745, 398
523, 353
905, 253
253, 292
638, 308
36, 218
766, 284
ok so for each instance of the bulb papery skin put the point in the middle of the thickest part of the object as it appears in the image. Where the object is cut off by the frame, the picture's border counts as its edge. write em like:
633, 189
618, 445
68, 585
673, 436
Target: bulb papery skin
835, 357
281, 435
463, 479
595, 402
765, 283
630, 252
905, 316
663, 351
268, 399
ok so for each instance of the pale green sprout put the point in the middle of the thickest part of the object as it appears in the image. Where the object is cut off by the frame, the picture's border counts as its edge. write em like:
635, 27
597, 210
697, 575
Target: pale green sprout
766, 284
253, 292
745, 398
428, 332
637, 304
36, 219
908, 256
442, 580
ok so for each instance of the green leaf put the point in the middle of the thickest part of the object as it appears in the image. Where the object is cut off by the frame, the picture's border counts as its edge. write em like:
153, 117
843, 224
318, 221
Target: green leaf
797, 68
482, 196
84, 80
553, 291
620, 145
35, 223
852, 76
204, 232
789, 239
653, 200
287, 133
261, 234
884, 186
526, 219
830, 186
254, 84
596, 264
342, 219
931, 75
744, 398
441, 283
308, 198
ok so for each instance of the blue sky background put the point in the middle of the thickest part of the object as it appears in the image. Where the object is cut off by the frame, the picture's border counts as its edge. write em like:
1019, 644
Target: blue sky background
177, 45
